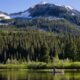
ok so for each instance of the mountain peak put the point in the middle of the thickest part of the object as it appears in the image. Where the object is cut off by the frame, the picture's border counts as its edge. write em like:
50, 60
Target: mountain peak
46, 10
43, 2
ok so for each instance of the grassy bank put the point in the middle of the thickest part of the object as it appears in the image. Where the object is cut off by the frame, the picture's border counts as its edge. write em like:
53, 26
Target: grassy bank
41, 65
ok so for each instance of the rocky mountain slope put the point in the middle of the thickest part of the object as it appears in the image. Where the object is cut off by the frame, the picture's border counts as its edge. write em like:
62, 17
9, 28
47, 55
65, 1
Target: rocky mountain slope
50, 11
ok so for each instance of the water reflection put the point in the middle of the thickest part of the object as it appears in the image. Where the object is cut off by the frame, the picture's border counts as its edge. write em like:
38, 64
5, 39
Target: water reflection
28, 75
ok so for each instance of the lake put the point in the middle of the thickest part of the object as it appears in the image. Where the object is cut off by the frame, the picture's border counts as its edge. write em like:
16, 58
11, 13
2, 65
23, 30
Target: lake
39, 75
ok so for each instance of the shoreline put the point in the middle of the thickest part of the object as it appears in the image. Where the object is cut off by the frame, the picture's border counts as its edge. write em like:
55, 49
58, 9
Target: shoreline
42, 65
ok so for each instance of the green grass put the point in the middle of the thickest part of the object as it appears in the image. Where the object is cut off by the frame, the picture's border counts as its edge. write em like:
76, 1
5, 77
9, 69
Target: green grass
13, 66
42, 65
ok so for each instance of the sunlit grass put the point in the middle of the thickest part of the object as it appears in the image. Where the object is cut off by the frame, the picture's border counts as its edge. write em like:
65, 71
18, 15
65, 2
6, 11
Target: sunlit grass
42, 65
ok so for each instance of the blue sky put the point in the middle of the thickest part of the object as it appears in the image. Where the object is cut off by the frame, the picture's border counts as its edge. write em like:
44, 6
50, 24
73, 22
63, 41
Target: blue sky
11, 6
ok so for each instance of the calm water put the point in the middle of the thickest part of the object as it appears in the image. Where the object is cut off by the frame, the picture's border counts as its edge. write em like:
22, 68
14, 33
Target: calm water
27, 75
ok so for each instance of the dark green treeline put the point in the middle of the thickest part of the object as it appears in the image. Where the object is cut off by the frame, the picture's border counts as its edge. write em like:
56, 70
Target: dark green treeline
38, 46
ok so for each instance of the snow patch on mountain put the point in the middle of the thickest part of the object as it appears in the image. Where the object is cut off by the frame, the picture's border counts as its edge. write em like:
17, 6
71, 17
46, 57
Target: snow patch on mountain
4, 16
43, 2
68, 7
72, 14
25, 14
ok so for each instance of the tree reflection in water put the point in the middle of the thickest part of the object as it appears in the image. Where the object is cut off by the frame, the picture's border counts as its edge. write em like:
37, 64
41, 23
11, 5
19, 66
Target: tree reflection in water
29, 75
